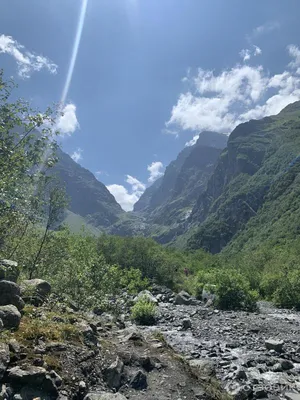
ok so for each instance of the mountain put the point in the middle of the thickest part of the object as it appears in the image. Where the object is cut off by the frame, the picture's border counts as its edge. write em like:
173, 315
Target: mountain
167, 204
253, 192
89, 198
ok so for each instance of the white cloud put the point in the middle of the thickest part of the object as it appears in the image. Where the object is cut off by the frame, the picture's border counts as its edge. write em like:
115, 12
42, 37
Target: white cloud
219, 102
127, 198
245, 54
67, 123
265, 28
192, 141
156, 171
77, 155
27, 62
295, 53
257, 50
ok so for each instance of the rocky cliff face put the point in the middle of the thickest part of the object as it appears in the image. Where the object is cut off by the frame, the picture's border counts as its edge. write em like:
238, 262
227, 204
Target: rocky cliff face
257, 154
89, 198
167, 204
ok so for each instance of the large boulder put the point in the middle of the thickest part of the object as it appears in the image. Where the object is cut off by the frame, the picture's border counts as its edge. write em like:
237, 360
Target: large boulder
203, 369
113, 374
10, 316
35, 291
104, 396
36, 378
9, 270
272, 344
4, 358
146, 294
183, 298
10, 294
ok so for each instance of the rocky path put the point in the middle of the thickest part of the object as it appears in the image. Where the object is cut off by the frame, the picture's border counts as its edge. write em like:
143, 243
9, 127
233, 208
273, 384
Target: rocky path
255, 355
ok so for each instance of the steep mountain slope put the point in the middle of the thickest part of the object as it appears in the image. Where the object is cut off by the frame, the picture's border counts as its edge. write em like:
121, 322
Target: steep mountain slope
256, 179
168, 203
89, 198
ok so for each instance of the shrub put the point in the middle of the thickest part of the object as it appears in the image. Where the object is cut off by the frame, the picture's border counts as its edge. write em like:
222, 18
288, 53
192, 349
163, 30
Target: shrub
144, 311
287, 295
233, 292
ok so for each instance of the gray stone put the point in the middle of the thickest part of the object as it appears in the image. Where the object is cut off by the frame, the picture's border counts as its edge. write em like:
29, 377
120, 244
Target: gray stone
1, 325
10, 294
4, 358
32, 377
186, 323
10, 316
183, 298
139, 381
147, 295
276, 345
202, 368
14, 346
104, 396
292, 396
9, 270
35, 291
286, 365
113, 374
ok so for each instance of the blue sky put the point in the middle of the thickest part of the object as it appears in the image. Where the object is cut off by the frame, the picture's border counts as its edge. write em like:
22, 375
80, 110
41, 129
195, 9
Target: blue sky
151, 74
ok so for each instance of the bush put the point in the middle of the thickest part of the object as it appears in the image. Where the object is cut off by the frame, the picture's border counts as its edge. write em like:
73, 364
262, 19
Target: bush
287, 295
144, 311
233, 292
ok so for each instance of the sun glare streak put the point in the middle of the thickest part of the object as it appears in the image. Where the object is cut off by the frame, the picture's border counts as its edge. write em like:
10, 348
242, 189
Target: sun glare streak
74, 51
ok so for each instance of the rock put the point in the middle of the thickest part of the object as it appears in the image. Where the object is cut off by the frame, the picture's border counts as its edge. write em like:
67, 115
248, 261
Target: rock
207, 293
241, 373
186, 323
32, 378
10, 294
276, 345
113, 374
146, 294
14, 346
1, 325
292, 396
9, 270
4, 358
286, 365
277, 367
203, 369
183, 298
135, 336
240, 392
35, 291
10, 316
104, 396
139, 381
87, 332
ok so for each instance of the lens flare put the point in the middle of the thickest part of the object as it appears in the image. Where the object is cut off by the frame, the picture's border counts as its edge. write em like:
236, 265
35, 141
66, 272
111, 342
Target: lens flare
74, 51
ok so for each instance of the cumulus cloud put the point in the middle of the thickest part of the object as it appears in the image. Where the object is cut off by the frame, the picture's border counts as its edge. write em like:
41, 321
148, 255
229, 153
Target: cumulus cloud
294, 52
27, 62
155, 170
127, 197
77, 154
219, 102
67, 123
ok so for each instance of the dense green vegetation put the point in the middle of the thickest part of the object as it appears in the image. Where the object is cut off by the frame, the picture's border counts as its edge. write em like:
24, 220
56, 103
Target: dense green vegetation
261, 260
